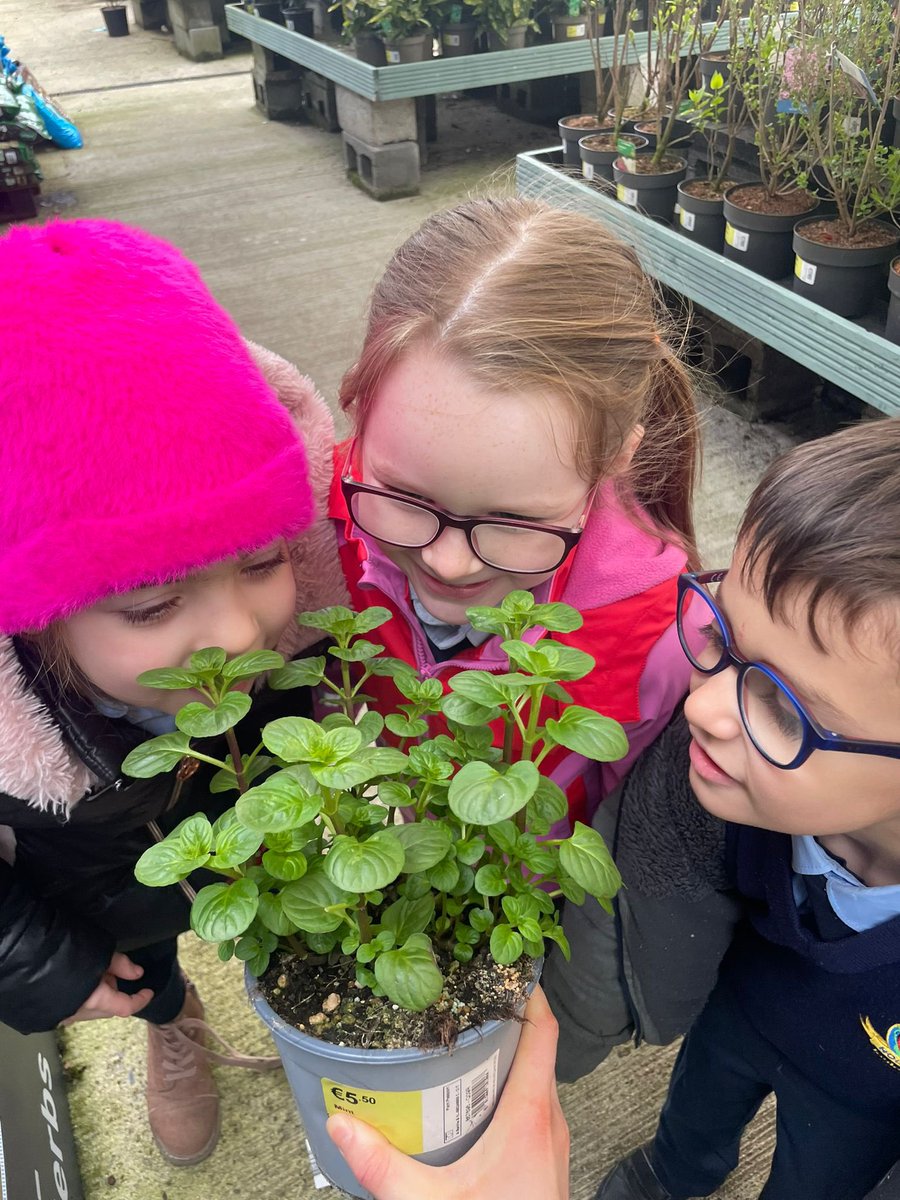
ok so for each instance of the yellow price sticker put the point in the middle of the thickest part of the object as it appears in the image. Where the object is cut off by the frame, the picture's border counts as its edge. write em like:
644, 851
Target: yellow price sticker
398, 1115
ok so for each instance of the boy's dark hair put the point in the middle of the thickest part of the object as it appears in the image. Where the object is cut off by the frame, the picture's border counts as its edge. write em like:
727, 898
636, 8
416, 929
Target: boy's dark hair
825, 521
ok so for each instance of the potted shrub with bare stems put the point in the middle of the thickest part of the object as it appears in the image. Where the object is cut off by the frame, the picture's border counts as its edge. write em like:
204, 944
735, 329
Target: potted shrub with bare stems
760, 217
391, 903
573, 128
649, 181
600, 148
844, 103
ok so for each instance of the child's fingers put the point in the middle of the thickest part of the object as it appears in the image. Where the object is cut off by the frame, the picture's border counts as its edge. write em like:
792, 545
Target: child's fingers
122, 967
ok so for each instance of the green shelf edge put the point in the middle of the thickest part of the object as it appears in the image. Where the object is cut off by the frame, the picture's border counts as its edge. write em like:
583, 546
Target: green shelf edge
429, 78
861, 362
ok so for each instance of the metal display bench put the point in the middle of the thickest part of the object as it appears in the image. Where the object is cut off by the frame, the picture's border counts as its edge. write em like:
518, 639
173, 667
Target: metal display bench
853, 355
376, 106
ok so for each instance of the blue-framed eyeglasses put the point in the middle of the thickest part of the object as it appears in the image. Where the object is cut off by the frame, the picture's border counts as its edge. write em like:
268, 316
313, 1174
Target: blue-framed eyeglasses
776, 722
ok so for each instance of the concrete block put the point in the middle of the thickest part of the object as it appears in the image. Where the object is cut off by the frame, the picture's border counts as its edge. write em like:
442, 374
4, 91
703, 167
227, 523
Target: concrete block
278, 94
385, 172
202, 44
378, 122
319, 104
148, 14
758, 382
266, 60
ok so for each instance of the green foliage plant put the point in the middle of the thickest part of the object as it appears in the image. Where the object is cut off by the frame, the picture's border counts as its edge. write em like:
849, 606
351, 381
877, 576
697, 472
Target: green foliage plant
314, 856
841, 122
356, 17
499, 16
397, 19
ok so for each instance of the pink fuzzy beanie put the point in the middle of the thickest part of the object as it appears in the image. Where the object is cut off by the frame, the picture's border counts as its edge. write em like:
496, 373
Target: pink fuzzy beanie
138, 440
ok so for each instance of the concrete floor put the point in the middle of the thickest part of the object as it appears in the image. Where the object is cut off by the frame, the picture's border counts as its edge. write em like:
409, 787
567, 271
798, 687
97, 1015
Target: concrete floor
292, 250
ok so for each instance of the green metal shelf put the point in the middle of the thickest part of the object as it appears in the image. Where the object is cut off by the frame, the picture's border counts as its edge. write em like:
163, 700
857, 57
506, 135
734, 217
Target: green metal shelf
855, 358
438, 75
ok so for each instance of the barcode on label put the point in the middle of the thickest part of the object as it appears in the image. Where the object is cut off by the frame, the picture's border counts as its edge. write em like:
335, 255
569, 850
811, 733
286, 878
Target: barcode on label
393, 56
451, 39
626, 195
737, 238
479, 1096
576, 31
587, 170
687, 219
805, 272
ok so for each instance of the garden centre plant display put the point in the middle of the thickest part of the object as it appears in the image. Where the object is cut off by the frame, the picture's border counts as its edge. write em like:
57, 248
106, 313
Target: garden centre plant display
392, 874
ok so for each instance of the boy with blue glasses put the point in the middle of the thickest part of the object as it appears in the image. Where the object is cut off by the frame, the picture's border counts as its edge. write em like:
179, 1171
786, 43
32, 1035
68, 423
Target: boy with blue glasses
793, 739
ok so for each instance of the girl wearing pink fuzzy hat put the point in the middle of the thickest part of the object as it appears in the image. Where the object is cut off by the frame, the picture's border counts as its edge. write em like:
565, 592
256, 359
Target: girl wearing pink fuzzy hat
162, 490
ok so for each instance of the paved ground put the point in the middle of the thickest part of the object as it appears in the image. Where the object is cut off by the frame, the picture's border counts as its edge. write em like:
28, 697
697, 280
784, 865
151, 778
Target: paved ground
292, 250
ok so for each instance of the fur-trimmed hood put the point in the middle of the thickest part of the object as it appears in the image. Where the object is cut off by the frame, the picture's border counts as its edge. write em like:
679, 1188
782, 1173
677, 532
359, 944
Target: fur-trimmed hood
37, 765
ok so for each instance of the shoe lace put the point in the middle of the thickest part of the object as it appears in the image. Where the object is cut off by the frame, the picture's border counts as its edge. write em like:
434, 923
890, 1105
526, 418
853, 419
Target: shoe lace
181, 1050
179, 1054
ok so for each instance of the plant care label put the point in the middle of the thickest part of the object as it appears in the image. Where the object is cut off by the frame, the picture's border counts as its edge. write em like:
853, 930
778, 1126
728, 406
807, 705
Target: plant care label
393, 56
736, 238
451, 39
576, 31
625, 148
319, 1180
587, 170
687, 219
626, 195
805, 272
417, 1122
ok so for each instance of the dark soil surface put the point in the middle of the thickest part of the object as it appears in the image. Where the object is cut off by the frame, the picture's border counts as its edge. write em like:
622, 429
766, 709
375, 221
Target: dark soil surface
704, 190
324, 999
583, 122
607, 141
753, 198
832, 233
644, 165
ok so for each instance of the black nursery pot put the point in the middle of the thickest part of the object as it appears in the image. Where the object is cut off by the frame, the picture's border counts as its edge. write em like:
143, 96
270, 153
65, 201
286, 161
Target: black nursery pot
702, 220
596, 164
115, 18
571, 135
682, 134
844, 279
369, 48
653, 195
892, 329
298, 18
269, 10
762, 242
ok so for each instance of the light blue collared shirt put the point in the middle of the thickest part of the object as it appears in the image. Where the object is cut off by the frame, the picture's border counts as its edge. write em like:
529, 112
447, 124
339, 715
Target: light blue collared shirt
151, 719
858, 906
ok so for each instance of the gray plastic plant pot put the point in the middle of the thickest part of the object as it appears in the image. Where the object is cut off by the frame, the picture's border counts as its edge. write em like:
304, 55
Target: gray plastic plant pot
433, 1104
760, 241
652, 195
892, 330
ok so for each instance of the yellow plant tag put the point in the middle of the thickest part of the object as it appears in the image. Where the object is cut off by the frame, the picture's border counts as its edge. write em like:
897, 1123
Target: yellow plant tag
398, 1115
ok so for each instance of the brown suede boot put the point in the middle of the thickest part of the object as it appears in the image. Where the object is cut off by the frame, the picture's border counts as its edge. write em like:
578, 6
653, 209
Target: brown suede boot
182, 1100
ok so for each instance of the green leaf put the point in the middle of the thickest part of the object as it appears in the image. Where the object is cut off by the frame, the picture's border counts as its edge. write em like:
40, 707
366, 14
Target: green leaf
463, 953
414, 887
587, 732
491, 880
557, 618
717, 82
302, 672
251, 664
572, 891
519, 908
467, 712
224, 910
506, 945
481, 919
297, 739
277, 804
547, 806
404, 727
360, 651
209, 661
200, 721
169, 679
363, 866
409, 975
306, 901
470, 851
406, 917
226, 950
530, 930
555, 933
321, 943
370, 725
444, 876
185, 849
479, 686
585, 858
481, 795
285, 866
428, 763
156, 755
337, 620
366, 978
226, 780
370, 618
233, 842
273, 916
505, 835
394, 794
538, 858
424, 844
467, 935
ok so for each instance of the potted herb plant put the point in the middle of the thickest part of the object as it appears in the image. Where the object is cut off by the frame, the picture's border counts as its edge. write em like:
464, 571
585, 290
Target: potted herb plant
506, 22
760, 217
841, 261
569, 22
389, 902
458, 28
598, 150
406, 29
650, 181
356, 28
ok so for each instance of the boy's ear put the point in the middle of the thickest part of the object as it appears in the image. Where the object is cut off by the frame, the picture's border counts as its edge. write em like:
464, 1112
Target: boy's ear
622, 461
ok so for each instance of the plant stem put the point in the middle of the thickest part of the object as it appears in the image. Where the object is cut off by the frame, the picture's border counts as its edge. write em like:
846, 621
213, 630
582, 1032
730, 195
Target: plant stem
235, 752
365, 925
